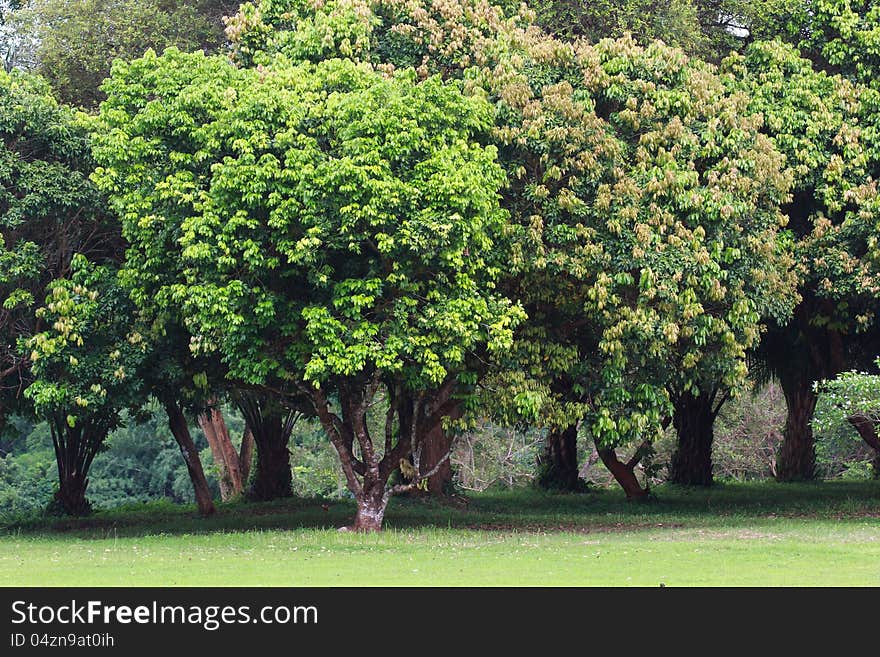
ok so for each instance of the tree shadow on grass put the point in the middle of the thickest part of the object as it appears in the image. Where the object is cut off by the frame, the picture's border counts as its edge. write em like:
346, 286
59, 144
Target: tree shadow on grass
528, 510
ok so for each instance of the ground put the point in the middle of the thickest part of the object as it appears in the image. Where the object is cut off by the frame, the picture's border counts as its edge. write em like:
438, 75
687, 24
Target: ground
763, 534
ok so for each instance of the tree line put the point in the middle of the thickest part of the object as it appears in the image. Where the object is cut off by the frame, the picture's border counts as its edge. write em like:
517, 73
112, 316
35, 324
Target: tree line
395, 217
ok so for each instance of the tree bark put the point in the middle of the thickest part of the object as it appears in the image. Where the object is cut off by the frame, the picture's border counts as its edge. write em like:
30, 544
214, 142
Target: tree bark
269, 425
436, 444
71, 494
694, 417
75, 448
180, 431
558, 464
796, 460
624, 473
273, 479
246, 453
371, 505
223, 452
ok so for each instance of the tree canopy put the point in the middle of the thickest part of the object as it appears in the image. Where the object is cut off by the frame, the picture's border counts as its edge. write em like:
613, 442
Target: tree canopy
49, 211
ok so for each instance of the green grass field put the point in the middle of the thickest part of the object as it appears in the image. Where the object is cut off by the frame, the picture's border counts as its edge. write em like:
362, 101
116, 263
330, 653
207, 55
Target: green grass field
754, 535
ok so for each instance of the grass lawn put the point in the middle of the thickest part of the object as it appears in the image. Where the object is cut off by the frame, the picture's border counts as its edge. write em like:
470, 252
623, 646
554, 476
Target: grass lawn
745, 534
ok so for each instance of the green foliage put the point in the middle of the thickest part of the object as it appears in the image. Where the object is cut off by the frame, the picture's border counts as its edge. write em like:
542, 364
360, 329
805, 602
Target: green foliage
817, 121
846, 36
48, 211
26, 482
850, 394
315, 466
644, 200
310, 221
86, 361
79, 39
142, 463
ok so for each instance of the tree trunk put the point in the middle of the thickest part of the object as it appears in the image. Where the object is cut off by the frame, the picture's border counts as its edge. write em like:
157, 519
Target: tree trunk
71, 494
796, 460
694, 417
558, 464
371, 506
246, 453
435, 447
624, 474
180, 431
223, 452
269, 425
75, 448
273, 478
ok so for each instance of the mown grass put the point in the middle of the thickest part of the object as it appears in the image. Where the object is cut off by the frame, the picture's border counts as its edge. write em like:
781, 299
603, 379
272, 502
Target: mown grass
743, 534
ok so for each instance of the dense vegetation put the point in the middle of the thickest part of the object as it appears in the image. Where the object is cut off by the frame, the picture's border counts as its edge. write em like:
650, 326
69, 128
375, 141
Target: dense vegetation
445, 245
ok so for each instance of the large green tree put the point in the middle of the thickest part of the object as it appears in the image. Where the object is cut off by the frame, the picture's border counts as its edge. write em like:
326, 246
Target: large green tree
322, 225
85, 367
826, 127
49, 211
645, 203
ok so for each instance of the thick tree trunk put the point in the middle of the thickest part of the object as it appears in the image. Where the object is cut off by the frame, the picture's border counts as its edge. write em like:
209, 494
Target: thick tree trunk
223, 452
269, 425
180, 431
71, 494
435, 447
75, 448
624, 473
371, 506
796, 460
273, 478
558, 464
694, 417
800, 355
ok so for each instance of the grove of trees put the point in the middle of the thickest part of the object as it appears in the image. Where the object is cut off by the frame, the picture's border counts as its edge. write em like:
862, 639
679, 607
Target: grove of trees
397, 220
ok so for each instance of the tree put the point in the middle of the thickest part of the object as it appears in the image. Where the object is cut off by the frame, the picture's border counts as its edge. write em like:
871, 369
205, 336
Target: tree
842, 37
270, 425
179, 382
708, 29
49, 211
318, 224
83, 364
77, 40
823, 124
643, 223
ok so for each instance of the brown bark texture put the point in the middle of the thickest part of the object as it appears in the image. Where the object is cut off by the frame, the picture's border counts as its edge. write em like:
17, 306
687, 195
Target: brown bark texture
624, 473
223, 451
693, 419
796, 460
558, 462
180, 430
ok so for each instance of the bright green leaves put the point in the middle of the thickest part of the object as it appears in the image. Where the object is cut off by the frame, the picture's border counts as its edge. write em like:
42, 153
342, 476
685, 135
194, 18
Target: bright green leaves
847, 35
87, 362
329, 222
48, 209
